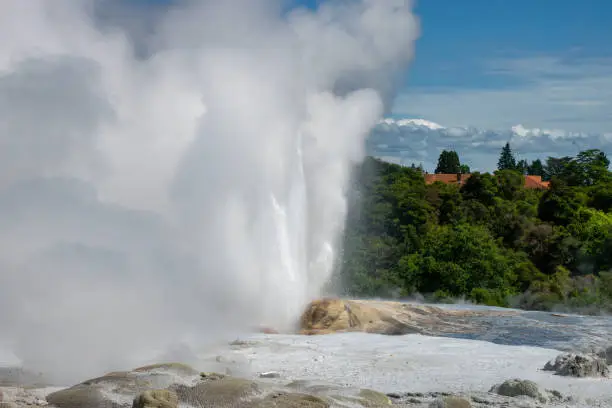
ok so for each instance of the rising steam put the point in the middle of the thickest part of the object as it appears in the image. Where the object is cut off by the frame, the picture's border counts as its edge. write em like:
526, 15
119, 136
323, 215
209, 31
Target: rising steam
175, 173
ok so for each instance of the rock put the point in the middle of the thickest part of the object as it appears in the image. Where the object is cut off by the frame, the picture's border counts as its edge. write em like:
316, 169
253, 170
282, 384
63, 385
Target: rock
226, 391
6, 404
77, 397
173, 385
578, 365
118, 389
156, 399
526, 388
450, 402
516, 387
325, 316
332, 315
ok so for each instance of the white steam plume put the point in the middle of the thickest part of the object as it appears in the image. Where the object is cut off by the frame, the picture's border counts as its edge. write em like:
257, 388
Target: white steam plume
177, 174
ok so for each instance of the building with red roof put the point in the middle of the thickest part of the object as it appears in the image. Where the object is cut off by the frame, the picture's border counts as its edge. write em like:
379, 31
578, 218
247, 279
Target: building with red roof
531, 182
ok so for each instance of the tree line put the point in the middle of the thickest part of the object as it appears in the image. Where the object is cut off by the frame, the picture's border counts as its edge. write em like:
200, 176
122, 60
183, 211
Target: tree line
449, 163
489, 240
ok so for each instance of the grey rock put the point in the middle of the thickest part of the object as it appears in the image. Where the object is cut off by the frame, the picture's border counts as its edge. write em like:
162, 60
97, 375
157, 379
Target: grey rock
516, 388
578, 365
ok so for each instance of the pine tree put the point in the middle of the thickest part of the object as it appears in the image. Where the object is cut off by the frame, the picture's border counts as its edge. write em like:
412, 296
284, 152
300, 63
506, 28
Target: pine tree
506, 159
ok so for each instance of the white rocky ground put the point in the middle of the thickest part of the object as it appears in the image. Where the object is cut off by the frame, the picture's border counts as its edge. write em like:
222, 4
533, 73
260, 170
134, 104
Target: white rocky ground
397, 364
412, 363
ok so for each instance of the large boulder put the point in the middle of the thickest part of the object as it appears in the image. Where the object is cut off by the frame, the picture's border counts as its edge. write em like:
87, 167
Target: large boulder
222, 391
527, 389
578, 365
516, 388
334, 315
118, 389
331, 315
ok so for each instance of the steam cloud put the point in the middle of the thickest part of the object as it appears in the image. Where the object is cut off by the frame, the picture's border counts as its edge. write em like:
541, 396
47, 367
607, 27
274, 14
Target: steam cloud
171, 176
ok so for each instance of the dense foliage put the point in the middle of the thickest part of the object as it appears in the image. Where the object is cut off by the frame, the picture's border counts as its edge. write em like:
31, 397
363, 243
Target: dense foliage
491, 240
448, 162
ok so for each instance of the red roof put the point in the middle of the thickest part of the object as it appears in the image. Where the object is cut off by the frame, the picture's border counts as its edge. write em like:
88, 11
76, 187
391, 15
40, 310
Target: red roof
536, 182
531, 182
446, 178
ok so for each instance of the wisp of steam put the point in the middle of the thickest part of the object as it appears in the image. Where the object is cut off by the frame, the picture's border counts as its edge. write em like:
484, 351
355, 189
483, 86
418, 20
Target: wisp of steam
172, 172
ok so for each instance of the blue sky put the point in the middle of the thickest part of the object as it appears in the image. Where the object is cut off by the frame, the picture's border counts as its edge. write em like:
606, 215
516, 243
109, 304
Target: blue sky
486, 48
491, 65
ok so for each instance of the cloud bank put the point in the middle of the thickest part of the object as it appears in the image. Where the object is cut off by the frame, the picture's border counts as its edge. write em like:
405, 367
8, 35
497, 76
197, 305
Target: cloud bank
569, 92
407, 141
171, 176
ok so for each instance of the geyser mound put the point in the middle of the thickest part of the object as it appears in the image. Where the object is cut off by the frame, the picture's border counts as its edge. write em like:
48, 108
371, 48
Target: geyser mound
171, 173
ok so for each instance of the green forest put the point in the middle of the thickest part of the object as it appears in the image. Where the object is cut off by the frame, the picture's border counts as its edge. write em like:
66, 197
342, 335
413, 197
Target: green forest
490, 241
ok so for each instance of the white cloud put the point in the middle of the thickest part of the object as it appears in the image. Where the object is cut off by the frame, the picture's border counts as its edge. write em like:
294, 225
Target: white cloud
554, 94
477, 147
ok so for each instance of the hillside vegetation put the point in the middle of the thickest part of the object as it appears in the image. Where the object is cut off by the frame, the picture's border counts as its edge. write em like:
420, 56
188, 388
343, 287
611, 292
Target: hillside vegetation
490, 241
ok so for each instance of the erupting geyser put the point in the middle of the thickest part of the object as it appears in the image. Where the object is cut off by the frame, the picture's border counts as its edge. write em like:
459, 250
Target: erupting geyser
169, 173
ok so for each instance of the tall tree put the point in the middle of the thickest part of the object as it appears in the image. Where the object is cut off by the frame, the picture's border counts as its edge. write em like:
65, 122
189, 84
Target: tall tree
588, 168
506, 159
536, 168
448, 163
555, 166
522, 166
592, 167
